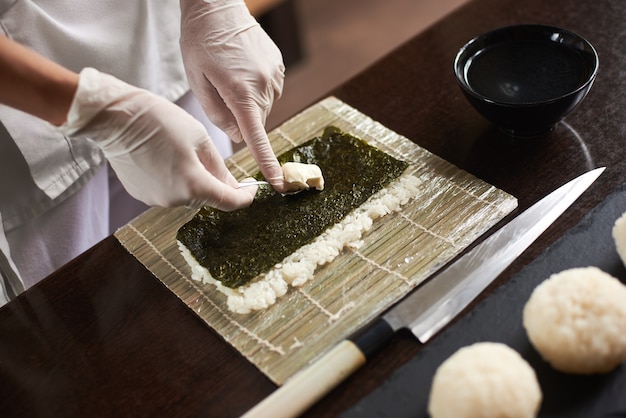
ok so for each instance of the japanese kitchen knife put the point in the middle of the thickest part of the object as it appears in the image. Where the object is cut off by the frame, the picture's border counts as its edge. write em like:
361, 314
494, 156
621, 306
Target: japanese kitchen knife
429, 307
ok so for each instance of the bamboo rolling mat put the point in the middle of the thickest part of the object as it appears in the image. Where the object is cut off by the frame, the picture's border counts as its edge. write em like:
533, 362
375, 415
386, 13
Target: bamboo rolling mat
402, 249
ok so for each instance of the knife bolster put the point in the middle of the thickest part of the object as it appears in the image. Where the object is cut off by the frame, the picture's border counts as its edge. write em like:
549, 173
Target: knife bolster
373, 337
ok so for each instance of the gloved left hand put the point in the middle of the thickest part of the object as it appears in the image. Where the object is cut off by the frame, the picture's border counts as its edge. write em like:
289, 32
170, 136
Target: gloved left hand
161, 154
236, 71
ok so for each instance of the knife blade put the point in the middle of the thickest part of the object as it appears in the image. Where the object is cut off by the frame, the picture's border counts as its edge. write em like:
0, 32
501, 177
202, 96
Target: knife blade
428, 308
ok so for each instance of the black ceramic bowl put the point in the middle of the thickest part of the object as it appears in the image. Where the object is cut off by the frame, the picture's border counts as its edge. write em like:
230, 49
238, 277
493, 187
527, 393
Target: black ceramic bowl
526, 78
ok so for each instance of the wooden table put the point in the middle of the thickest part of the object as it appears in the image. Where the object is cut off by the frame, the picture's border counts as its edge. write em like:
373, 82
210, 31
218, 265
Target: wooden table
103, 337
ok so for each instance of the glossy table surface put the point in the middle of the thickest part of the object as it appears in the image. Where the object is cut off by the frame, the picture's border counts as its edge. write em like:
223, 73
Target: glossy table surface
103, 337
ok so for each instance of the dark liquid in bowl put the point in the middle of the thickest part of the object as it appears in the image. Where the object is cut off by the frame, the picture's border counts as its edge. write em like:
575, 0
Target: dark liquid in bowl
526, 71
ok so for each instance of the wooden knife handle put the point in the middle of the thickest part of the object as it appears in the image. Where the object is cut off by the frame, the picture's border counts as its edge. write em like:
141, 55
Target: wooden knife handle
311, 384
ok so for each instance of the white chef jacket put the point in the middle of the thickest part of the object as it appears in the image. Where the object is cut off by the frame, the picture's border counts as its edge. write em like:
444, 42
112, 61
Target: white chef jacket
134, 40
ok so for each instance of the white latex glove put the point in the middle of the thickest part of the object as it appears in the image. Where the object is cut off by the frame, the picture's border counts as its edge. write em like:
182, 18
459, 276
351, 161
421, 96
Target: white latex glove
236, 71
161, 154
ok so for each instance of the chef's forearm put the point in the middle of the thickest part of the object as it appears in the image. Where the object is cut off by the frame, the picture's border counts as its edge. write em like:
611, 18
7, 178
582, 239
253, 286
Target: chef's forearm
33, 84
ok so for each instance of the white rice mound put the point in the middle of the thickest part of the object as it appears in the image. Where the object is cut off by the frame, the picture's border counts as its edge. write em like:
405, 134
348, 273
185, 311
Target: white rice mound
619, 236
484, 380
299, 267
576, 320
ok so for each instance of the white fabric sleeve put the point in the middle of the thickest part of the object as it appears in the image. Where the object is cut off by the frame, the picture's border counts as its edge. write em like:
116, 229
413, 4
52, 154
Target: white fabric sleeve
11, 283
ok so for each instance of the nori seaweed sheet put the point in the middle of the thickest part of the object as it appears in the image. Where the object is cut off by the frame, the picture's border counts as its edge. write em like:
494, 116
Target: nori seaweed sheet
237, 246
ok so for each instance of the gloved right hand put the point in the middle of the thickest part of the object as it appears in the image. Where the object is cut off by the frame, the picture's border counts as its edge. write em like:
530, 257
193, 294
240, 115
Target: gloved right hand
161, 154
236, 71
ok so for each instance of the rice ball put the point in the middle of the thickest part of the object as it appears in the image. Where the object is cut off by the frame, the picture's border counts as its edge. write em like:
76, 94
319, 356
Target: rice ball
576, 320
619, 236
484, 380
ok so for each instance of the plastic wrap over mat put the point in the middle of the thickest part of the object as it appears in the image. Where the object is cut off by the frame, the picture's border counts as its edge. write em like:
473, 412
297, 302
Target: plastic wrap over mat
402, 249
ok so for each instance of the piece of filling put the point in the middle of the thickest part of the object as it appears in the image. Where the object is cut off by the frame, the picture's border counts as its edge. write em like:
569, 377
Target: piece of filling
300, 176
237, 246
